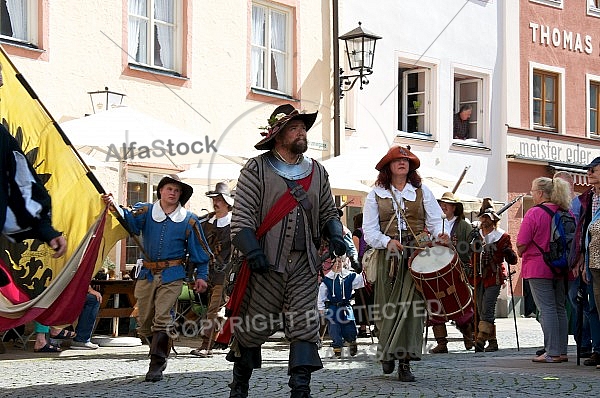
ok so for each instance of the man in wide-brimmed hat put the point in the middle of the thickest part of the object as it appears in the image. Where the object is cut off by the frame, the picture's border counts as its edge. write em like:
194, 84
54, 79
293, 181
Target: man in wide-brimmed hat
170, 234
490, 274
282, 208
217, 231
459, 230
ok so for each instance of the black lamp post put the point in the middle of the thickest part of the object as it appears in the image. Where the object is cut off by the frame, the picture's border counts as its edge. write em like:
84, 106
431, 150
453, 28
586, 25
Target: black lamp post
360, 48
104, 100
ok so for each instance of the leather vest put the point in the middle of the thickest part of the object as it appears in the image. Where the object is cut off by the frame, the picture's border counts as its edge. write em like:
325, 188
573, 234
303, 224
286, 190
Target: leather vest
413, 211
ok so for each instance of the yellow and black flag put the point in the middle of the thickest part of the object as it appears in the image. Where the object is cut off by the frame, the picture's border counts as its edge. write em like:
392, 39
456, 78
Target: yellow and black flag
50, 290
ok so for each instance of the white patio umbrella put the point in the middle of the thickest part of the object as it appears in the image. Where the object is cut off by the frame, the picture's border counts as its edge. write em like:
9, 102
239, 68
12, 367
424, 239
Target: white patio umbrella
210, 174
360, 165
341, 186
126, 134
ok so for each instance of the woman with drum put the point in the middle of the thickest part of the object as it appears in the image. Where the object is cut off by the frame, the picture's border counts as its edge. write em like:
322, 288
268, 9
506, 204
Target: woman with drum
460, 236
396, 213
494, 247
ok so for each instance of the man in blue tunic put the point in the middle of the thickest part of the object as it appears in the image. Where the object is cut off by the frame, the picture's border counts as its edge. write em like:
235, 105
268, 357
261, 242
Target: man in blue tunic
170, 234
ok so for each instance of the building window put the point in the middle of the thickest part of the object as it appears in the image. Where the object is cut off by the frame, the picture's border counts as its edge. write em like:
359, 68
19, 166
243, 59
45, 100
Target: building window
552, 3
141, 187
271, 43
594, 8
545, 101
469, 92
154, 36
19, 21
594, 105
414, 101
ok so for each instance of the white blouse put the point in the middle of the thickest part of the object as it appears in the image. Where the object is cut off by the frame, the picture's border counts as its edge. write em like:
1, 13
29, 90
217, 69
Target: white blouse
373, 235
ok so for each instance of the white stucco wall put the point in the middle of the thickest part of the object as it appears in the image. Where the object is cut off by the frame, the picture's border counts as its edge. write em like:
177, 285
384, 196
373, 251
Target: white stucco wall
85, 54
448, 34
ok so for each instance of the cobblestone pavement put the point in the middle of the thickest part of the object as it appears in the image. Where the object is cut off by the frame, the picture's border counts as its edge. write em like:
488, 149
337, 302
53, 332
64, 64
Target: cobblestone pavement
119, 371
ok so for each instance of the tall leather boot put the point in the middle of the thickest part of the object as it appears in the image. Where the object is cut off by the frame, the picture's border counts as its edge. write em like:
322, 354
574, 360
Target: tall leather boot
440, 333
241, 381
467, 332
249, 359
404, 373
485, 331
492, 341
159, 351
304, 359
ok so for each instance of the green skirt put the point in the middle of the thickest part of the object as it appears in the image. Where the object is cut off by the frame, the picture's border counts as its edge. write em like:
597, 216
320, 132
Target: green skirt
401, 312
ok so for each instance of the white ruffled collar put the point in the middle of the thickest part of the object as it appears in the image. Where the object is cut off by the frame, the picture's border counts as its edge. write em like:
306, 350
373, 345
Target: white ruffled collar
332, 275
159, 215
221, 222
493, 236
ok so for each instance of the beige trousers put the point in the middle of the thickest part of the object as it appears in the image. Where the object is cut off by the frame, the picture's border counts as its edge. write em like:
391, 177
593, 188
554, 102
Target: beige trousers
155, 301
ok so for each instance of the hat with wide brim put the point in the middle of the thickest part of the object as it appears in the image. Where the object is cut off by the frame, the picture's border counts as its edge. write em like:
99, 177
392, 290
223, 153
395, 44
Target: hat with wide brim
281, 116
223, 190
186, 190
398, 152
448, 197
490, 213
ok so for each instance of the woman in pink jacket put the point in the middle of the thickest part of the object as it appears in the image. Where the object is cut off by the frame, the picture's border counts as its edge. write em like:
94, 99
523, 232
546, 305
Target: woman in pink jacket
548, 289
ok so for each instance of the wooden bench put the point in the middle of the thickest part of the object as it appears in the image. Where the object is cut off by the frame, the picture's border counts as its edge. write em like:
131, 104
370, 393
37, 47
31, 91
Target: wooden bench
123, 300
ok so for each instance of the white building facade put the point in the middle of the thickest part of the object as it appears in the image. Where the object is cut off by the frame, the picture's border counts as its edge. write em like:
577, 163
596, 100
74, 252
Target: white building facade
434, 56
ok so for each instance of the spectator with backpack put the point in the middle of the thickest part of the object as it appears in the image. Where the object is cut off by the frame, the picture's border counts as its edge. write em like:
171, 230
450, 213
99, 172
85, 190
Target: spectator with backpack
587, 248
584, 321
545, 268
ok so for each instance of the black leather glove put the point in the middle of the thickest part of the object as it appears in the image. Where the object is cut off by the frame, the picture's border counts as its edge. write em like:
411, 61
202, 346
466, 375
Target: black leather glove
510, 256
334, 233
246, 242
257, 261
355, 265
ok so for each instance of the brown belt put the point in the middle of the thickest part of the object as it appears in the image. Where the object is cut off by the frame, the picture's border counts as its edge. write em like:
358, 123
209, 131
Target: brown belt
156, 266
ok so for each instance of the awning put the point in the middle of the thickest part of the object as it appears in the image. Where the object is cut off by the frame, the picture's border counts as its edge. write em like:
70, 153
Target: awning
579, 173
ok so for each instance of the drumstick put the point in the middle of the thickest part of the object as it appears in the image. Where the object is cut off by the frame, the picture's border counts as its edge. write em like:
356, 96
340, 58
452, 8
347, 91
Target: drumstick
443, 223
415, 247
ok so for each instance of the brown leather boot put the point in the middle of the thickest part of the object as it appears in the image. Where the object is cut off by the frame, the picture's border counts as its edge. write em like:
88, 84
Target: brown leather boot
492, 341
440, 333
467, 332
485, 331
353, 348
337, 353
159, 351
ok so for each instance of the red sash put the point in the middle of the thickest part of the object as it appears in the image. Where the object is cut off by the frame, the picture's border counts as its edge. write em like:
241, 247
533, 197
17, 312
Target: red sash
283, 206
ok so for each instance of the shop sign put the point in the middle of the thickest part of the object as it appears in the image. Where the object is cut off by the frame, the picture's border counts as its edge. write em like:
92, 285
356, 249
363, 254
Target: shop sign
547, 150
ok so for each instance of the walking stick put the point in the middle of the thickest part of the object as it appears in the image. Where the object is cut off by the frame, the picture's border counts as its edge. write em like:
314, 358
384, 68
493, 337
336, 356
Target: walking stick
362, 298
579, 330
475, 310
512, 299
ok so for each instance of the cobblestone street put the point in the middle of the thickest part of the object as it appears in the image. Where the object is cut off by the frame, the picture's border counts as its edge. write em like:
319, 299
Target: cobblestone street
118, 372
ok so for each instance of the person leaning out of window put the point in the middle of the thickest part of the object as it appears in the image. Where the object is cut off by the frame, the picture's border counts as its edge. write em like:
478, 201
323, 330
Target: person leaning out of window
461, 122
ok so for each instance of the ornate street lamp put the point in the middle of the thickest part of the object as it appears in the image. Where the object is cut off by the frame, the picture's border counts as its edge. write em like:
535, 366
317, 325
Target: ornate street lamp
104, 100
360, 48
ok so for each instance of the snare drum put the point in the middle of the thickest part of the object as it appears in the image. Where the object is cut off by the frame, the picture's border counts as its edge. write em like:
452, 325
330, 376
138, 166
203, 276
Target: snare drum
439, 276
